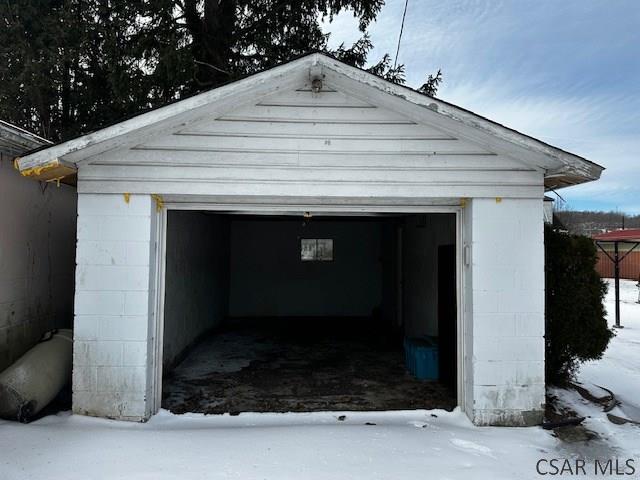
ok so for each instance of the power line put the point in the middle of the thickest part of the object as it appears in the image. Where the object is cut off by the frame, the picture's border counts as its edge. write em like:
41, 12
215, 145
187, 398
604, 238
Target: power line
404, 14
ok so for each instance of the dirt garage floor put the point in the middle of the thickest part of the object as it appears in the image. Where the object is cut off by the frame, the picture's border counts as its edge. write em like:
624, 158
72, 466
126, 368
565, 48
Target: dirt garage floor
294, 367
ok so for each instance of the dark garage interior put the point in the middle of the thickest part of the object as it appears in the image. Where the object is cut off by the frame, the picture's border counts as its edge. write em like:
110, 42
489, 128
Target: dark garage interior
305, 313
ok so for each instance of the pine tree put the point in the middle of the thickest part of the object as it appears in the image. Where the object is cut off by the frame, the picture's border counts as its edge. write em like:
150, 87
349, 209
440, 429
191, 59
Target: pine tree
71, 66
576, 325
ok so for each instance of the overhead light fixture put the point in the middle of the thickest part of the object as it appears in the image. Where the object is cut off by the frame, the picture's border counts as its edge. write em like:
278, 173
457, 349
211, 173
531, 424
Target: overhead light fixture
316, 85
316, 76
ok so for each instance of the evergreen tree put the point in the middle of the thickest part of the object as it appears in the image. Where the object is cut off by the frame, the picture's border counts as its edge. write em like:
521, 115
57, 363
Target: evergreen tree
71, 66
576, 325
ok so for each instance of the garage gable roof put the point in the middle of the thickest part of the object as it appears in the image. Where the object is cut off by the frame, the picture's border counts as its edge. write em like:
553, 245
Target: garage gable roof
561, 168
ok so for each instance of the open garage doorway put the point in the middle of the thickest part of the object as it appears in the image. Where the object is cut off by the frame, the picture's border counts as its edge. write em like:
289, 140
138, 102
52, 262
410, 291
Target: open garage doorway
309, 312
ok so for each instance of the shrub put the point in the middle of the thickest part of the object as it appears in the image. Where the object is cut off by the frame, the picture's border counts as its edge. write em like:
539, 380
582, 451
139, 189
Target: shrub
576, 327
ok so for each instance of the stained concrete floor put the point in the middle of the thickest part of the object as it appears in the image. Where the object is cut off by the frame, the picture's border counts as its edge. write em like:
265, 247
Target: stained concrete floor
293, 366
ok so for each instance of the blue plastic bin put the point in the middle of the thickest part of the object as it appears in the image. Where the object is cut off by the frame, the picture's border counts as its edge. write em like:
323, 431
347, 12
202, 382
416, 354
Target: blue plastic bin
421, 357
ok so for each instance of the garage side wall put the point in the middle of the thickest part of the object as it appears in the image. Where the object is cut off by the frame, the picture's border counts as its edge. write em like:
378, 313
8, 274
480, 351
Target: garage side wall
422, 237
113, 305
196, 279
508, 311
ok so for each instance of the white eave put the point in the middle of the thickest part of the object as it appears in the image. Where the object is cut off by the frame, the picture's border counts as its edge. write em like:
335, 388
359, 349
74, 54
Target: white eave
14, 140
561, 168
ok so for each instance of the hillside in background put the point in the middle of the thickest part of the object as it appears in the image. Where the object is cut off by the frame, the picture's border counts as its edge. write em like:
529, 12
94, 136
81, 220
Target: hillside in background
590, 223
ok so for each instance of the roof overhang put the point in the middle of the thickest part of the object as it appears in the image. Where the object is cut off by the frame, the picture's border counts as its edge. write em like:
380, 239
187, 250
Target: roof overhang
51, 171
561, 168
15, 141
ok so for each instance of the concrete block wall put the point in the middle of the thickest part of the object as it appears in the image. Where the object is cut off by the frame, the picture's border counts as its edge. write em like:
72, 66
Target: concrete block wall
269, 280
503, 302
37, 249
507, 294
113, 305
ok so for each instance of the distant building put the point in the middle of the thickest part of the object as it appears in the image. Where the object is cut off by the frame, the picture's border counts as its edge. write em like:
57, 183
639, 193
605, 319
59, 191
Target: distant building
630, 265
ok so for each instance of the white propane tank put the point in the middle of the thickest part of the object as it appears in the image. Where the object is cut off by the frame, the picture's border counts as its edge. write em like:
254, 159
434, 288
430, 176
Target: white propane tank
34, 380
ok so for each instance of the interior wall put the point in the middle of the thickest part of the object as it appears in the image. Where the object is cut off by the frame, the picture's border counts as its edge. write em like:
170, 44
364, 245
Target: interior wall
422, 235
37, 260
196, 280
391, 271
269, 279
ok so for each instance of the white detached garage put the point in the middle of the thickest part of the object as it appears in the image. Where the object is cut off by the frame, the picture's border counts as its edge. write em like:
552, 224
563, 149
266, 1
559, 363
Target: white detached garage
316, 191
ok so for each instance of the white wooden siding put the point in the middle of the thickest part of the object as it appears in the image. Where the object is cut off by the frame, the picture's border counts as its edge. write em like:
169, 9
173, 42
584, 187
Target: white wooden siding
297, 142
278, 107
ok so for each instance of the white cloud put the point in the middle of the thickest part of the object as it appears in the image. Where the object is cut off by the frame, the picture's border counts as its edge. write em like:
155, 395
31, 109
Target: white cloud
593, 126
564, 72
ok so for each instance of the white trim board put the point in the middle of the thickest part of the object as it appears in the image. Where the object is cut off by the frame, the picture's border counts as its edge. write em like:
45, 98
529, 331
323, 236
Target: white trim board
341, 210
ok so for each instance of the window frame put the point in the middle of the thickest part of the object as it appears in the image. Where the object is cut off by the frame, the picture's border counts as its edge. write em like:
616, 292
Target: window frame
316, 259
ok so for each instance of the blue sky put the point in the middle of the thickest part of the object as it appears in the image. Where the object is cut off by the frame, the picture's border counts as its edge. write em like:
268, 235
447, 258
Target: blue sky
567, 72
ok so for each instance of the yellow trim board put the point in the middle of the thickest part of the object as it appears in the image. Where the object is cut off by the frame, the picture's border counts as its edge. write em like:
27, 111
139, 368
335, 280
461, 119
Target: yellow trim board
159, 201
49, 172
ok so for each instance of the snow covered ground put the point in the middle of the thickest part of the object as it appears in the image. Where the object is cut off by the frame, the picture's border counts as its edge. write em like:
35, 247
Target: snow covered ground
618, 371
323, 445
402, 445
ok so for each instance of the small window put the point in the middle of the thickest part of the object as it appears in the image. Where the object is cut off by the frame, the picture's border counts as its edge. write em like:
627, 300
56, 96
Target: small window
316, 249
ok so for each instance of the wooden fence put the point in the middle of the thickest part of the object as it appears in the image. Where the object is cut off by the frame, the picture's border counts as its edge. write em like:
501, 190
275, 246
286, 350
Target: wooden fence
629, 267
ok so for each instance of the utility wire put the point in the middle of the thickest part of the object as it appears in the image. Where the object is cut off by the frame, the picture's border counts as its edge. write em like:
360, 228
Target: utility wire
404, 14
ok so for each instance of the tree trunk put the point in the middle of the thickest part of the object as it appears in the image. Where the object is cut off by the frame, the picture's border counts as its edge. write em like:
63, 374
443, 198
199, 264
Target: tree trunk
213, 38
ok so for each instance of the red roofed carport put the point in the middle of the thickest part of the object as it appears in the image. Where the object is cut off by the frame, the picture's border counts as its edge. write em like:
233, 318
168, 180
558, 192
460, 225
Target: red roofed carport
616, 237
